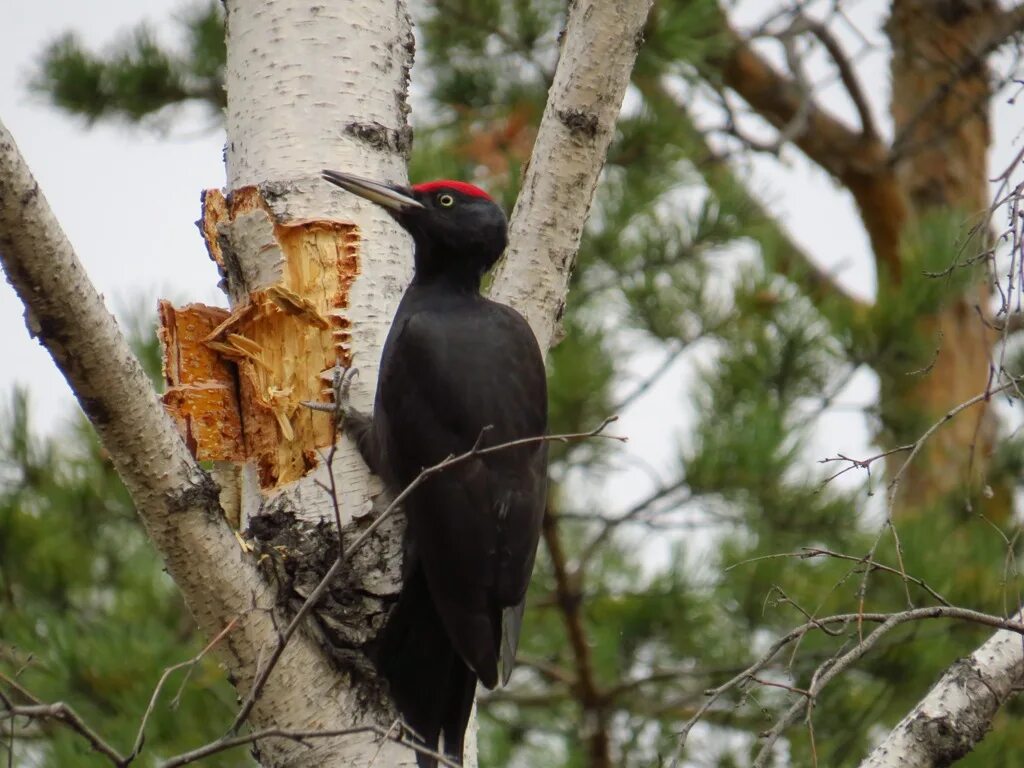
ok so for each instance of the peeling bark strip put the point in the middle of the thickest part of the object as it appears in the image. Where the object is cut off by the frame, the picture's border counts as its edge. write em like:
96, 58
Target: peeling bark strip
288, 327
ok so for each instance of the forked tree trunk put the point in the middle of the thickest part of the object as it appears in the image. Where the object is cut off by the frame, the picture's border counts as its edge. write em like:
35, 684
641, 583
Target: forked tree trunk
314, 275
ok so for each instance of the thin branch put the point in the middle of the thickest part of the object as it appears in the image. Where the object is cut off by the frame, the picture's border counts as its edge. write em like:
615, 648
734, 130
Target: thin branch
981, 397
610, 524
874, 566
864, 464
846, 73
858, 161
190, 663
67, 716
314, 596
223, 745
675, 352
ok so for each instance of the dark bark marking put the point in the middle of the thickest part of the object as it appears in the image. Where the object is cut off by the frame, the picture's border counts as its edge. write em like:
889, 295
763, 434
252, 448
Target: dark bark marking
579, 122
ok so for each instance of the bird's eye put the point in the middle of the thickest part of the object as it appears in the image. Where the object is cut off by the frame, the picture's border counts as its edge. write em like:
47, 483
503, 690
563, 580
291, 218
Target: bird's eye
445, 201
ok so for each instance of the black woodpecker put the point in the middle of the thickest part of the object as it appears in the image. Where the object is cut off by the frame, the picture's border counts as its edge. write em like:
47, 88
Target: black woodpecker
456, 369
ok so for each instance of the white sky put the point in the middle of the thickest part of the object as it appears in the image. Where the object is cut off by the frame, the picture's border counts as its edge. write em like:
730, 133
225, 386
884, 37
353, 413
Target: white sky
128, 199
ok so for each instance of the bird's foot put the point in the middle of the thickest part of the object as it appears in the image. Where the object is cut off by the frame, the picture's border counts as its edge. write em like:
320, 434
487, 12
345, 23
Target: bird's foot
341, 385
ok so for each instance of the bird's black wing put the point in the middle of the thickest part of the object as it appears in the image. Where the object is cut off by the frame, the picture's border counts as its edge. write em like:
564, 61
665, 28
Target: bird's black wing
446, 376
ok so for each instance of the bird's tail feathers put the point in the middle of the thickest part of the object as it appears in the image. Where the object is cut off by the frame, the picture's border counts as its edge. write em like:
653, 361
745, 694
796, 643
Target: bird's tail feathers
511, 623
430, 684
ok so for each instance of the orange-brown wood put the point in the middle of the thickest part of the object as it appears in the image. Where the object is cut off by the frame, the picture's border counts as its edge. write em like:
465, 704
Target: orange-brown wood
272, 351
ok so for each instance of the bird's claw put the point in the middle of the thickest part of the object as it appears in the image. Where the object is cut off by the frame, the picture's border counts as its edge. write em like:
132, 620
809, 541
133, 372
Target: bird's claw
341, 385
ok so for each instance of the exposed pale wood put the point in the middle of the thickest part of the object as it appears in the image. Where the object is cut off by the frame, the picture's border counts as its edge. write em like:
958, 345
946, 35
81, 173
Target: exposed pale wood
200, 396
283, 336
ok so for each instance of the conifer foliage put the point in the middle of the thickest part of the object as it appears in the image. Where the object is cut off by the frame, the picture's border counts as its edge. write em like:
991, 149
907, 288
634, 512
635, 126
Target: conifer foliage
688, 289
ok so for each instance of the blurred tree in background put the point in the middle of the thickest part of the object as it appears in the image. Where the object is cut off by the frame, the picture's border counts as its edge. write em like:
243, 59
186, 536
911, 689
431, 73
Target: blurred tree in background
637, 610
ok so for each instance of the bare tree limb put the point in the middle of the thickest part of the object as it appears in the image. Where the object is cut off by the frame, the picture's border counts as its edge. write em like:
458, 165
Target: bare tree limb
957, 713
847, 74
65, 715
858, 160
177, 501
599, 47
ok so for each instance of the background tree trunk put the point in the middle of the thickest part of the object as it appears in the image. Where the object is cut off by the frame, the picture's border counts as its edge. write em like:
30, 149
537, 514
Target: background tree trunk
940, 104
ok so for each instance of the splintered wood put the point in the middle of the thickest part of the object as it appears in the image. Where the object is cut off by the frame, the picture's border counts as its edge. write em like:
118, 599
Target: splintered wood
236, 380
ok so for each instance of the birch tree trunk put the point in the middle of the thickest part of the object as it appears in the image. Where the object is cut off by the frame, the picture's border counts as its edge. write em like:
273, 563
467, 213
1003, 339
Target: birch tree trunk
309, 87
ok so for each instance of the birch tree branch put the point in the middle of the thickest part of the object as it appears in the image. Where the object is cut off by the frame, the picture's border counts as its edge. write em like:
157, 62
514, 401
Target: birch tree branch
599, 47
958, 712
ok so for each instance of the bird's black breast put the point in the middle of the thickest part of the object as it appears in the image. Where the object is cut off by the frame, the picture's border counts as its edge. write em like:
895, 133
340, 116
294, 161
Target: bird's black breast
451, 367
458, 370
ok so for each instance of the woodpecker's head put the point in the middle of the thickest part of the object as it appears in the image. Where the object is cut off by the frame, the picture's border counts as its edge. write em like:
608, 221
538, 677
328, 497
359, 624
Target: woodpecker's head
458, 229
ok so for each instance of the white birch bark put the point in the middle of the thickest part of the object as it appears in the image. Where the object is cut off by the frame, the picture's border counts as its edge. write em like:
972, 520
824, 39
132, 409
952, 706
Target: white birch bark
599, 48
177, 501
313, 86
957, 713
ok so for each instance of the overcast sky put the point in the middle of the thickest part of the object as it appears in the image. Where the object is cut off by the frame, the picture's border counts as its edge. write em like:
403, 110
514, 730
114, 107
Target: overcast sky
127, 199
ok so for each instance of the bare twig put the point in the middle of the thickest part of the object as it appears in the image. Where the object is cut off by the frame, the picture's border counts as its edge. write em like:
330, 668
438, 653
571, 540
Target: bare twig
610, 524
62, 713
875, 566
860, 463
846, 73
190, 663
223, 745
346, 553
950, 414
